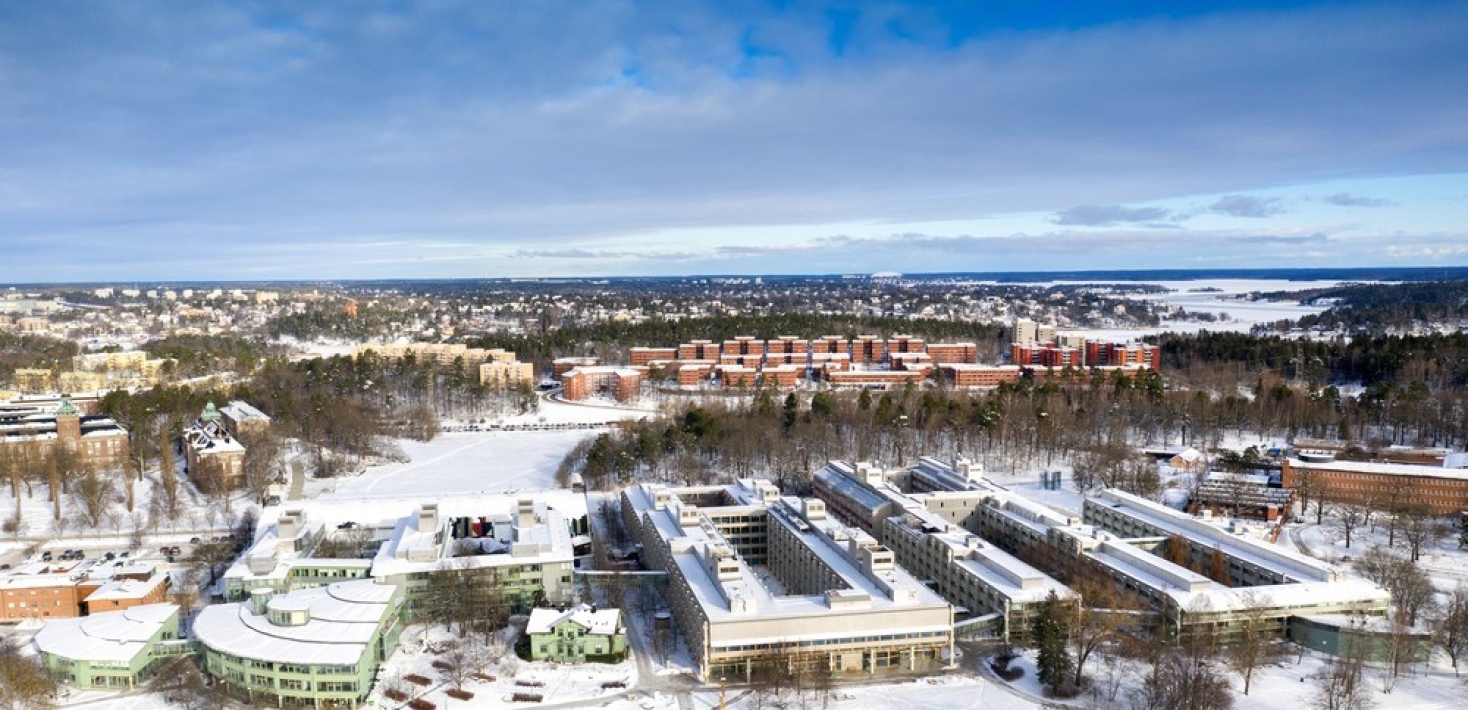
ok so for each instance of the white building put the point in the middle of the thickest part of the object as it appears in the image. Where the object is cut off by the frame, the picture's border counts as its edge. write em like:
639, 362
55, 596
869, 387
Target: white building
756, 578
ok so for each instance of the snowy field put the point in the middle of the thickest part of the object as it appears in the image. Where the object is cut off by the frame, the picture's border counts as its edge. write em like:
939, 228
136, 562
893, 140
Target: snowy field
462, 462
1243, 314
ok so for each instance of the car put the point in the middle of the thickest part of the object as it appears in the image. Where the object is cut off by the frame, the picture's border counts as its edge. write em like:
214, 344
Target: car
194, 541
164, 550
175, 550
125, 553
5, 566
169, 558
347, 525
46, 556
110, 556
80, 555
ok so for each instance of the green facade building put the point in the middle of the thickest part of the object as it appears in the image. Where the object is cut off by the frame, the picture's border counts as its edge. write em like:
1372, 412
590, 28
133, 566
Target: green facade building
317, 648
116, 650
581, 634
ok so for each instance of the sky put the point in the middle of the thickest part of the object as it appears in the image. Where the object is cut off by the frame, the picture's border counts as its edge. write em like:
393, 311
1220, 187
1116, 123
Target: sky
260, 140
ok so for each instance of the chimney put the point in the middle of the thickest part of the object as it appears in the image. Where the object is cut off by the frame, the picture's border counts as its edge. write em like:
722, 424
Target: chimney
428, 517
525, 513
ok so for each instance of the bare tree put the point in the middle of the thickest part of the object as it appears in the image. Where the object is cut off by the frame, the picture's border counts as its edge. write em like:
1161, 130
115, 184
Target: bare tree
168, 477
1339, 685
1182, 678
96, 495
24, 684
262, 463
1411, 589
460, 662
1095, 620
1349, 518
1420, 529
1450, 627
1255, 643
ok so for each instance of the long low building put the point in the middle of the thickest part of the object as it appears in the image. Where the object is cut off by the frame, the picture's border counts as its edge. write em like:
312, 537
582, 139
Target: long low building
756, 578
115, 650
931, 535
1441, 488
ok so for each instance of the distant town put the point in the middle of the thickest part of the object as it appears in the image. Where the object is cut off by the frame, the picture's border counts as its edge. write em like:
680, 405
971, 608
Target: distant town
783, 491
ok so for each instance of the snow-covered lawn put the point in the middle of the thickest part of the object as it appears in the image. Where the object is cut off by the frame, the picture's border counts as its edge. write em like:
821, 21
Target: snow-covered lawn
553, 682
463, 462
1444, 562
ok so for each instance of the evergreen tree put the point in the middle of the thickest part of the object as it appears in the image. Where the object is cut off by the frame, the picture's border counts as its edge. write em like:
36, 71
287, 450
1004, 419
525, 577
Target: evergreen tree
1049, 631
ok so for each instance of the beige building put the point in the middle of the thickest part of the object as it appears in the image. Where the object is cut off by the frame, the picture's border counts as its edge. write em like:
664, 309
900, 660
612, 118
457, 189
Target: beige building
505, 374
756, 578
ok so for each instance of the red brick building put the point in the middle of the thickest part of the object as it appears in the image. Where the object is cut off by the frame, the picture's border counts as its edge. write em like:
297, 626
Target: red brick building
946, 353
643, 356
971, 375
1444, 490
620, 382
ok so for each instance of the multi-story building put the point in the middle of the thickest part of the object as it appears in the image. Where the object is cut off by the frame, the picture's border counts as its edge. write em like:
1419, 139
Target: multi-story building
620, 382
755, 578
58, 590
521, 546
242, 419
502, 375
97, 441
116, 650
213, 457
1442, 489
644, 356
971, 375
318, 647
953, 353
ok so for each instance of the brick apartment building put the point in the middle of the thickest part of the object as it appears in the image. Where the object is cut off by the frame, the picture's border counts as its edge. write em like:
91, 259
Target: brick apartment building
620, 382
1444, 490
97, 441
971, 375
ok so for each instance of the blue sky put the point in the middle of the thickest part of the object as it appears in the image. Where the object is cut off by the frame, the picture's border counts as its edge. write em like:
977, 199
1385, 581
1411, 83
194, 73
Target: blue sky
256, 140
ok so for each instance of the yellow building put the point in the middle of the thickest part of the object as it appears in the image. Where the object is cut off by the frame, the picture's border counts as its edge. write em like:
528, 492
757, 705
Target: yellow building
506, 374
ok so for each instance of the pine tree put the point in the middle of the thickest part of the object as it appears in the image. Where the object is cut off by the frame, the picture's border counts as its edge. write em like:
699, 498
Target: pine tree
1050, 633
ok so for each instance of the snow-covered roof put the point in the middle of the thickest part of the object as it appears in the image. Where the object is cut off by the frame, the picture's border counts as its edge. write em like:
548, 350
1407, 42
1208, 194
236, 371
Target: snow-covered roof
343, 618
109, 636
118, 589
1282, 561
599, 622
1389, 469
239, 410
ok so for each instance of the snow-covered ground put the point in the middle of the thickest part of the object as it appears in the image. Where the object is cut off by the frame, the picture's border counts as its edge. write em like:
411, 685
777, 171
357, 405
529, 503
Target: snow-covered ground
462, 462
1443, 561
1197, 297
